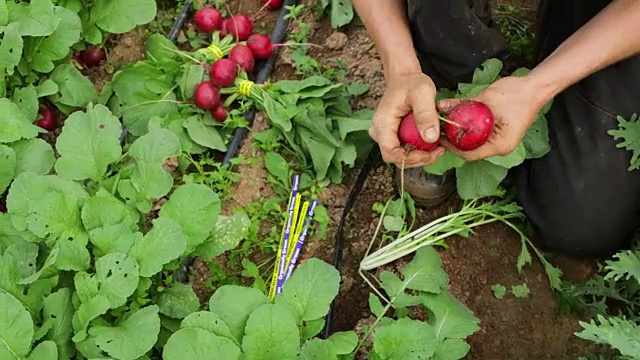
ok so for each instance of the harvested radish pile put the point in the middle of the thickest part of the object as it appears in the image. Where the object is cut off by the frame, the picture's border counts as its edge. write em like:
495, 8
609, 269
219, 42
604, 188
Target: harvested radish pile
172, 197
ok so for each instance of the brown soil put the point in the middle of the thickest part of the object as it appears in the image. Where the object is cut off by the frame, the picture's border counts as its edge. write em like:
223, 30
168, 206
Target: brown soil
511, 328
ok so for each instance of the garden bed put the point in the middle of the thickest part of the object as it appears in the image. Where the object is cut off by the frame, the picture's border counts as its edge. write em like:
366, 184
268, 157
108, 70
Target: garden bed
517, 312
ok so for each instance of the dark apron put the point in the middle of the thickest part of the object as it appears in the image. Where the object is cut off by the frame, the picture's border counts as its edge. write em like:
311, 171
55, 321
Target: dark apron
579, 197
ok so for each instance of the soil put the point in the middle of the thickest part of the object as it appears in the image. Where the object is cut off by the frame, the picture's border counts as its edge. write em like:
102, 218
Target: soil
511, 328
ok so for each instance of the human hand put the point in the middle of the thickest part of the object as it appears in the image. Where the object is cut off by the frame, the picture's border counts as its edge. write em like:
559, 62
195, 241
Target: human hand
406, 93
515, 102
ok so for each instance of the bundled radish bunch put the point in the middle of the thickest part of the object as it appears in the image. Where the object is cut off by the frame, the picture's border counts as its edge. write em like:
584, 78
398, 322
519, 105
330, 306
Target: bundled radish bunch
234, 50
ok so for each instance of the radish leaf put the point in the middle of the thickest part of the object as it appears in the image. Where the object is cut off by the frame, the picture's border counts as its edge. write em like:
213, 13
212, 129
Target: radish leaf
195, 207
149, 152
90, 141
15, 124
33, 155
310, 290
11, 48
130, 338
209, 321
178, 301
164, 243
75, 89
628, 132
199, 344
42, 52
16, 331
7, 166
38, 18
120, 16
405, 339
271, 334
233, 304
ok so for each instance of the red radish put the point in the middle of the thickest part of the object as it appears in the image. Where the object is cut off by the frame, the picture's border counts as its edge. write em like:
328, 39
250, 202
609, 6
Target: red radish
242, 55
272, 4
223, 72
92, 56
260, 45
3, 208
219, 113
223, 28
208, 20
76, 61
48, 119
239, 26
408, 133
206, 95
469, 125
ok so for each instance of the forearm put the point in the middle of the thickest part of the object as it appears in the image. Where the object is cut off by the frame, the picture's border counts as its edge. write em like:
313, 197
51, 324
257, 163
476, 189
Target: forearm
386, 23
611, 36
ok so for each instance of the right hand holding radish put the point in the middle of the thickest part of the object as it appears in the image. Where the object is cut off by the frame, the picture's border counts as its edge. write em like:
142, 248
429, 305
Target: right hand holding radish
413, 92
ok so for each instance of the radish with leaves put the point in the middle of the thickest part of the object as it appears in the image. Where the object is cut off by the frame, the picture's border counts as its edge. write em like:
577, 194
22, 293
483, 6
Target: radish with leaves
408, 133
92, 56
220, 112
206, 95
223, 72
260, 45
242, 55
208, 20
469, 125
47, 119
239, 26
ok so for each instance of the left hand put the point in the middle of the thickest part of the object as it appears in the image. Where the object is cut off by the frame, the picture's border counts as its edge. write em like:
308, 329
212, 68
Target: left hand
515, 102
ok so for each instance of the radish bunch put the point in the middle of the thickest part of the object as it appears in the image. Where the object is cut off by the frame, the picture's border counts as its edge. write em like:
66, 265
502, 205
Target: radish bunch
468, 126
233, 57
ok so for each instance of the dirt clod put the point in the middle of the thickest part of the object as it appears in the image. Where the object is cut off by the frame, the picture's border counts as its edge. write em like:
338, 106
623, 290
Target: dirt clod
336, 41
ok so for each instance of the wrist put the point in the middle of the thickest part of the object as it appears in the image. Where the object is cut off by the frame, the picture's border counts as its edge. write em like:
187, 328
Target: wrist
395, 65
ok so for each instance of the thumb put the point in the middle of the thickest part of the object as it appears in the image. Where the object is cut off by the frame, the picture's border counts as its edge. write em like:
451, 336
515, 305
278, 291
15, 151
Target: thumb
447, 105
424, 112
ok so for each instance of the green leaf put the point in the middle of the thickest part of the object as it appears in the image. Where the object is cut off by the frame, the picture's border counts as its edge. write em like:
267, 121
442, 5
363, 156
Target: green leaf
227, 234
7, 166
156, 49
75, 89
341, 13
58, 310
89, 142
271, 334
104, 209
318, 349
191, 77
195, 343
209, 321
321, 153
27, 99
15, 124
629, 132
520, 291
149, 153
120, 16
233, 304
310, 289
11, 48
178, 301
515, 158
33, 155
498, 290
204, 135
38, 18
45, 350
477, 179
425, 272
343, 342
16, 328
164, 243
451, 318
444, 163
536, 139
451, 349
195, 207
46, 88
42, 52
117, 277
488, 72
131, 337
616, 332
405, 339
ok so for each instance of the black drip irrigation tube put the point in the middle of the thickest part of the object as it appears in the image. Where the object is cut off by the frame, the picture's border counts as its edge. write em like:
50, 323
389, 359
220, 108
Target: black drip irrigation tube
264, 72
373, 159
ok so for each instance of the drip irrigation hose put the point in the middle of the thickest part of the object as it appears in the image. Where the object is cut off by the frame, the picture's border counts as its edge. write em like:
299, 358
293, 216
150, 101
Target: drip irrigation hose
266, 68
373, 159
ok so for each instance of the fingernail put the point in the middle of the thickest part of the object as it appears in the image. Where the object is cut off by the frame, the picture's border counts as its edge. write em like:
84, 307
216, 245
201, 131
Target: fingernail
430, 135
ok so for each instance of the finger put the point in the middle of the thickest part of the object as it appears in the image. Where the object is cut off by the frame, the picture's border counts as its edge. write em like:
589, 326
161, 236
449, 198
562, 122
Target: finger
417, 158
484, 151
422, 102
446, 105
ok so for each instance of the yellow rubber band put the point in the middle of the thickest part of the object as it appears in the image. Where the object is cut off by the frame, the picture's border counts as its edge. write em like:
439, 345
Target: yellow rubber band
216, 51
245, 87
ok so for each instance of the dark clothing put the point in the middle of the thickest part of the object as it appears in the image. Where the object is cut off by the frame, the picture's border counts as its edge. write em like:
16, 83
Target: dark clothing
579, 197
